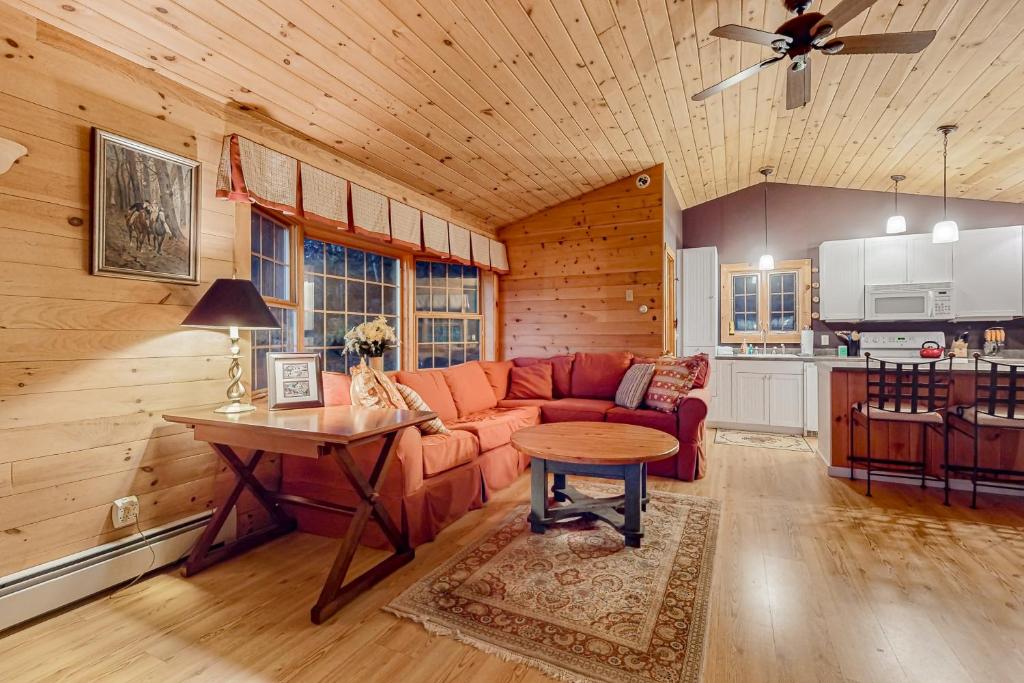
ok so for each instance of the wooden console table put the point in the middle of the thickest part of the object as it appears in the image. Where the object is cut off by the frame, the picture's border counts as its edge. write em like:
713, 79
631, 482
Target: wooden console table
306, 433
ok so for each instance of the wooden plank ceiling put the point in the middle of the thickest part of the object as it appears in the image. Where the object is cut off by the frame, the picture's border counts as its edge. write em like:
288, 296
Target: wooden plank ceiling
505, 107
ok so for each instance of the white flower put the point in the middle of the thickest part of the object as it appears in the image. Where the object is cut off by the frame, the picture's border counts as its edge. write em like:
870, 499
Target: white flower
375, 332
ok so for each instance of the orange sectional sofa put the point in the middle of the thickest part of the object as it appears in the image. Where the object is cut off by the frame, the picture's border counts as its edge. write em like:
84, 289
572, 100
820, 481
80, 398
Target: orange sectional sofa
436, 479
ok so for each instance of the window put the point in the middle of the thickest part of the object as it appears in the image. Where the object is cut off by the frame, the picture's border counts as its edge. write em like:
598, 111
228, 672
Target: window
343, 287
271, 263
448, 319
778, 299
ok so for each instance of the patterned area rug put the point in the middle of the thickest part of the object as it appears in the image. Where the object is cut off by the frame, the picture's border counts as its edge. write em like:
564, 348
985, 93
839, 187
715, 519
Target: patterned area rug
782, 442
575, 602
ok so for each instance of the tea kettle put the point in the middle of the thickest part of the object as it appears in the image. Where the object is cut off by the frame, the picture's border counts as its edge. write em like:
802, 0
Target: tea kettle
931, 349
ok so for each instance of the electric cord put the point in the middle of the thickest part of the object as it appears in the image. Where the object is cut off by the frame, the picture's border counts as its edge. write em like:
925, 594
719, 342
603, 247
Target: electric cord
152, 554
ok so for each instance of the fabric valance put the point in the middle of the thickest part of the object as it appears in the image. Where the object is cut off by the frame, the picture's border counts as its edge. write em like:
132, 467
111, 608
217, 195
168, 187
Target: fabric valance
250, 172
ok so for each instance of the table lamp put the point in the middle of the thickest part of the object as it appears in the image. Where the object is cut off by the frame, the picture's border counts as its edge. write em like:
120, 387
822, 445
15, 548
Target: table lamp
232, 305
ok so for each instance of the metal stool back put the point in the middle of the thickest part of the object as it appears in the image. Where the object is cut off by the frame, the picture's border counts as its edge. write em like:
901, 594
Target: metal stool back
998, 403
902, 390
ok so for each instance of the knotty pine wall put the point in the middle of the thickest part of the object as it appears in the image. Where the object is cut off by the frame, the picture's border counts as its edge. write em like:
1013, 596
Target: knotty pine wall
88, 364
570, 267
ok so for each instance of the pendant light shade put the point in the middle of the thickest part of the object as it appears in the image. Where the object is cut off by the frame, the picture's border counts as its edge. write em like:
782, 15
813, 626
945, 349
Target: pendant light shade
896, 223
767, 261
946, 230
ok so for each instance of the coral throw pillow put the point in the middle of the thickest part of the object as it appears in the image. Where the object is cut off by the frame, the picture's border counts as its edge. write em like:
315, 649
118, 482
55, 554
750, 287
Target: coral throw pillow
672, 381
373, 389
561, 371
634, 385
413, 400
532, 381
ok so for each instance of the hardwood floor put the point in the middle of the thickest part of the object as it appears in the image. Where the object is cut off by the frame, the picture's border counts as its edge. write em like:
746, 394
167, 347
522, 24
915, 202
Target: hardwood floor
814, 582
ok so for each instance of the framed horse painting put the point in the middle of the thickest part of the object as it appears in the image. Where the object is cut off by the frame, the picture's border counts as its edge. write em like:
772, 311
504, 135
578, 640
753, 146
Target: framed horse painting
145, 211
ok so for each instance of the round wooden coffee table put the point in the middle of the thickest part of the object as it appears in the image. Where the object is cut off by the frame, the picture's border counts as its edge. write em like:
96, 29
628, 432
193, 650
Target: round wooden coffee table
592, 449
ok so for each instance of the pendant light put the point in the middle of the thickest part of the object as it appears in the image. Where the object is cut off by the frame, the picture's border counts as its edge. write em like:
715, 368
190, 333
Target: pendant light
767, 261
946, 230
896, 223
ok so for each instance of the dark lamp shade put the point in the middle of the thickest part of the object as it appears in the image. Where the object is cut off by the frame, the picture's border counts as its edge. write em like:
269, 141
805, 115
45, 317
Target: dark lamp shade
232, 303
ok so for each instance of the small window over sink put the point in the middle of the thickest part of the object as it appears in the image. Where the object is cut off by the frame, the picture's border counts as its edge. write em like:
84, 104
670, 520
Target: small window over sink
765, 306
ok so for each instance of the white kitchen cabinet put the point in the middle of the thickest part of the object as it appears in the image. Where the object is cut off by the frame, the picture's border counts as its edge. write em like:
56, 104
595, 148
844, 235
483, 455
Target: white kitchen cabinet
810, 397
906, 259
928, 262
700, 297
989, 274
886, 261
750, 397
841, 266
720, 409
786, 400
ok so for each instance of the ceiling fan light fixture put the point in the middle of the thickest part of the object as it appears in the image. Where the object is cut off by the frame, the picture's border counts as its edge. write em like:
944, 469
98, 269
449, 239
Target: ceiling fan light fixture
946, 230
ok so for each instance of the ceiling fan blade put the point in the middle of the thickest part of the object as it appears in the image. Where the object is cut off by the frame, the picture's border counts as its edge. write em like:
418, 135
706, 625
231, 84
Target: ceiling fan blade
735, 78
886, 43
798, 86
842, 13
749, 35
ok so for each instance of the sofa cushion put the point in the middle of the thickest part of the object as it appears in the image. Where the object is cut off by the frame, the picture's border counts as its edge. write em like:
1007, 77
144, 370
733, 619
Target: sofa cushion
597, 375
469, 387
521, 402
442, 452
655, 419
576, 409
532, 381
432, 388
337, 388
497, 375
494, 427
561, 372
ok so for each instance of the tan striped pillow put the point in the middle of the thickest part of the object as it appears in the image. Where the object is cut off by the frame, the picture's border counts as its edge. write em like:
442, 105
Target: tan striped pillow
413, 400
634, 385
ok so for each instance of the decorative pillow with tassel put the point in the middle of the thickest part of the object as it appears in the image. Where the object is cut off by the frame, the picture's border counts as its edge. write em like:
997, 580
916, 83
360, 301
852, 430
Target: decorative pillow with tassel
413, 400
373, 389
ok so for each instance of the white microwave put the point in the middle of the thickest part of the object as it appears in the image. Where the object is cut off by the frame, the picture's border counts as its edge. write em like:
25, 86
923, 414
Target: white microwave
930, 301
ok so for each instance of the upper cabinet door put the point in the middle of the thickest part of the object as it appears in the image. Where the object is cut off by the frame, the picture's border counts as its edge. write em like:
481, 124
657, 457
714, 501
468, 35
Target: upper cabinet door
927, 261
989, 280
841, 265
886, 261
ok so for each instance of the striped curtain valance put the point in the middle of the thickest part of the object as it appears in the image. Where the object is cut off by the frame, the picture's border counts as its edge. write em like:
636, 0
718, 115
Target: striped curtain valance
435, 236
250, 172
370, 213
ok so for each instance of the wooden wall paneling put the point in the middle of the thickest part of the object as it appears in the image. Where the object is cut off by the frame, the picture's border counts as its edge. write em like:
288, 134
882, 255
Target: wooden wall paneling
570, 267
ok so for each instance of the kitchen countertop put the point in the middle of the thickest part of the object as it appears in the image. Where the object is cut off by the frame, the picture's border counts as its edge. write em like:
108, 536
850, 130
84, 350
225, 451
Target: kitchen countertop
852, 362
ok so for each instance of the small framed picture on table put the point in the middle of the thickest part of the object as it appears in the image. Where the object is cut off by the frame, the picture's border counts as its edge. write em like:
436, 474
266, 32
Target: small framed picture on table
294, 381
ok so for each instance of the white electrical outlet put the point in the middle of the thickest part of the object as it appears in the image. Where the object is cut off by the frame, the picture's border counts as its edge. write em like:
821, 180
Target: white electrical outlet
629, 295
125, 511
824, 340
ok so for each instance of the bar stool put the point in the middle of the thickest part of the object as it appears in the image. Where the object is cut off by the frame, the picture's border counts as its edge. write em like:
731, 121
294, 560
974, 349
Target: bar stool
906, 391
998, 404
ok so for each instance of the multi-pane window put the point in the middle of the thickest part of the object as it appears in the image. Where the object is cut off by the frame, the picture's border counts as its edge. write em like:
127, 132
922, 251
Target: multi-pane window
343, 287
448, 319
744, 302
271, 262
782, 301
766, 306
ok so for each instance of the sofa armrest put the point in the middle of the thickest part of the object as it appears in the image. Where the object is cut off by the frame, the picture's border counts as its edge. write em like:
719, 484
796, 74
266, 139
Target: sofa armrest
691, 414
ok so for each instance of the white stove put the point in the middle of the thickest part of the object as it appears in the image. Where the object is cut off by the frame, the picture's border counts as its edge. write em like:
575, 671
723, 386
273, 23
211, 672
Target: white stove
898, 344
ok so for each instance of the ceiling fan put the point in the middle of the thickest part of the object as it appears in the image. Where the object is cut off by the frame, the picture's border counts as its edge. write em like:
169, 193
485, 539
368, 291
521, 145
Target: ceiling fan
809, 31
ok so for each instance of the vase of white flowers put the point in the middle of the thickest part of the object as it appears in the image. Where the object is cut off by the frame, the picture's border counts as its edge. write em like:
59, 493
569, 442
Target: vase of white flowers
370, 340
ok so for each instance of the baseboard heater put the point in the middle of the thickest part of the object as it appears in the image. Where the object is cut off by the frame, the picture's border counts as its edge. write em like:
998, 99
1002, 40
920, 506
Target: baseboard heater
38, 590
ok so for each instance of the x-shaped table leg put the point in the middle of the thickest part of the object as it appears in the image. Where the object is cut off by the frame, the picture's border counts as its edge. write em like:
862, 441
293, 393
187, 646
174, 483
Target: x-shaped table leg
334, 596
200, 558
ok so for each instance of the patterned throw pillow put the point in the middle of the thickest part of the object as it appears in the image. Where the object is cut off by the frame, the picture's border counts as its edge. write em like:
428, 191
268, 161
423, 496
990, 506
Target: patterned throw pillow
373, 389
634, 385
703, 366
413, 400
672, 381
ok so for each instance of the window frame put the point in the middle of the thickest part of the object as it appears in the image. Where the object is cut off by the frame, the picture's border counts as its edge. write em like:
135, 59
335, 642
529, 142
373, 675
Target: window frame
292, 303
445, 315
728, 334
